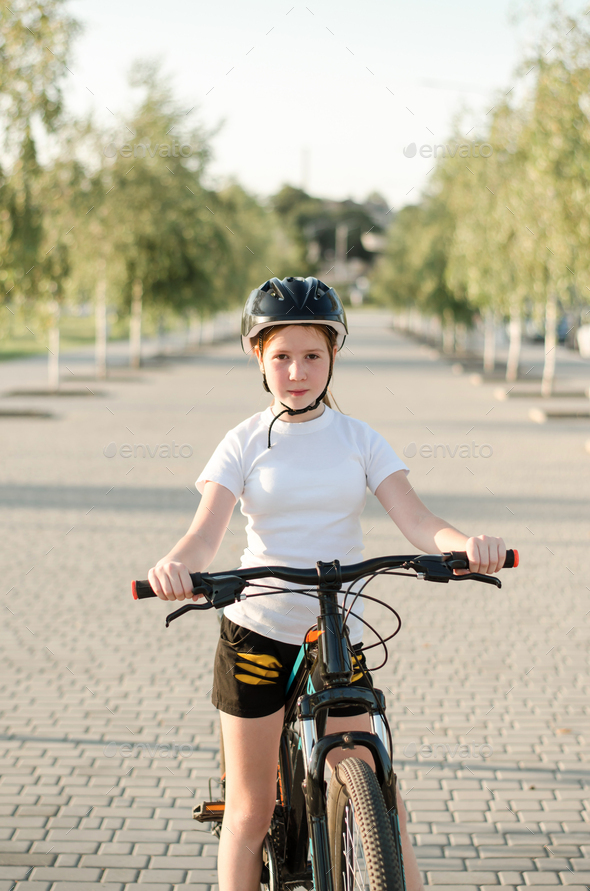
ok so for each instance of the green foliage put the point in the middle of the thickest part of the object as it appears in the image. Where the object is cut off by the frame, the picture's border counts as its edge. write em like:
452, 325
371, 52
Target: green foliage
35, 42
412, 270
299, 213
307, 219
511, 231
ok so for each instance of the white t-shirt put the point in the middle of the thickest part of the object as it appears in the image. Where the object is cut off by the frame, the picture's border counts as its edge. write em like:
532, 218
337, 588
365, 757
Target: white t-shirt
303, 499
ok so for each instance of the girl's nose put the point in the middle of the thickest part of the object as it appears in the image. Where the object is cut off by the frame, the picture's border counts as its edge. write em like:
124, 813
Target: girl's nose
296, 372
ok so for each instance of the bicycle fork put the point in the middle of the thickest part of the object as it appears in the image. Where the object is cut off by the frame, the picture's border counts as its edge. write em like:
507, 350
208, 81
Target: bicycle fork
315, 751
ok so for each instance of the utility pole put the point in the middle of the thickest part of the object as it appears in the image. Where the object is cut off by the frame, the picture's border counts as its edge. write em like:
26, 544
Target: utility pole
340, 253
305, 169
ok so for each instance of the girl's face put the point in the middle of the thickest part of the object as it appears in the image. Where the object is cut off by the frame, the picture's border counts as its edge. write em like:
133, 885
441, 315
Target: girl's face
296, 362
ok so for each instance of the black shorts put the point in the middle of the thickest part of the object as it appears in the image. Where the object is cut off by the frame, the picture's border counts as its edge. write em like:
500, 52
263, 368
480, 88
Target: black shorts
251, 673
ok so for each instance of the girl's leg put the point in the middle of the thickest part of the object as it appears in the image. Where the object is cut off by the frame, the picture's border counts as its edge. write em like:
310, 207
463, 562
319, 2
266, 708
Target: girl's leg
251, 747
363, 722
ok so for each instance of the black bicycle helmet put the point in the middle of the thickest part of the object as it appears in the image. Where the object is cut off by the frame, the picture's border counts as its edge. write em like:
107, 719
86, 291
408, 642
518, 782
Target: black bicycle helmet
293, 301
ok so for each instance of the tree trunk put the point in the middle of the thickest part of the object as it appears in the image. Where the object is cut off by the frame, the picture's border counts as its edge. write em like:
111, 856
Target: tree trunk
161, 334
101, 323
461, 338
195, 329
550, 345
515, 329
448, 338
135, 324
489, 343
435, 332
53, 346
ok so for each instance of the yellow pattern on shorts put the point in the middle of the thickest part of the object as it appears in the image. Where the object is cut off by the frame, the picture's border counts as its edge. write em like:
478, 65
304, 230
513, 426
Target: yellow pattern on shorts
358, 674
260, 666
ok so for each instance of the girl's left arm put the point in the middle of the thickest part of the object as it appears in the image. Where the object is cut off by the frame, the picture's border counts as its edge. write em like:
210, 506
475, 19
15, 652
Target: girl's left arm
432, 534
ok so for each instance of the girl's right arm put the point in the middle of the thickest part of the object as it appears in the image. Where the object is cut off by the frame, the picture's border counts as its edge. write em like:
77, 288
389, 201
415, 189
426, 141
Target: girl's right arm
196, 549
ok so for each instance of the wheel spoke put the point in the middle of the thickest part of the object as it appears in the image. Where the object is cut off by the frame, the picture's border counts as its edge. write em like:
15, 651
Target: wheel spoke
354, 867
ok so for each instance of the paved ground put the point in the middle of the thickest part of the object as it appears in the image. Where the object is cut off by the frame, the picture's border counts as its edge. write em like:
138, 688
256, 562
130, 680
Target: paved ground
488, 690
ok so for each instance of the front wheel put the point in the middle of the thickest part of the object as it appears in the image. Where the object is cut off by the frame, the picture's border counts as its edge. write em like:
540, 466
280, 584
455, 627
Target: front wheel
270, 879
362, 848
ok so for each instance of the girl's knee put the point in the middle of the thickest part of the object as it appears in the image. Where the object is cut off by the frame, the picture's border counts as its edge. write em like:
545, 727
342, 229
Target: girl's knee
249, 819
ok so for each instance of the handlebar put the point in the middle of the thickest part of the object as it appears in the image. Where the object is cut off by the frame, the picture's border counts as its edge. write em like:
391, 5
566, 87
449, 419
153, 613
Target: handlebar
222, 588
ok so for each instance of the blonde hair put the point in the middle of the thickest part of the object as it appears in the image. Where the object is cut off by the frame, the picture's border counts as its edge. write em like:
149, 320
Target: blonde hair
327, 331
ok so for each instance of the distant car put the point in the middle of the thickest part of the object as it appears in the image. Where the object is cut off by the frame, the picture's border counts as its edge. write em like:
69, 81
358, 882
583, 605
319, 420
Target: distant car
532, 331
566, 327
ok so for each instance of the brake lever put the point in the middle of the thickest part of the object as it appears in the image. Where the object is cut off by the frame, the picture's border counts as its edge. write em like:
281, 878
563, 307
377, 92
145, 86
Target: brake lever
480, 577
184, 609
435, 569
218, 592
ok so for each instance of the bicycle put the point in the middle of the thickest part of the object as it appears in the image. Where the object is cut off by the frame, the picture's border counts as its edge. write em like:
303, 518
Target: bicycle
348, 837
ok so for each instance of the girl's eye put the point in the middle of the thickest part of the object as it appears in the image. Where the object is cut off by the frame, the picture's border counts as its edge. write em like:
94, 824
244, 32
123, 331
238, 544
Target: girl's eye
282, 356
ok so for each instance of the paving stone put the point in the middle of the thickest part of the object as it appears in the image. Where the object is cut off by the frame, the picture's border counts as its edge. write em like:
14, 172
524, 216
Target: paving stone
14, 871
512, 864
552, 864
119, 874
183, 863
132, 861
77, 885
28, 886
114, 848
26, 859
67, 860
510, 878
148, 886
162, 875
448, 864
151, 849
470, 879
65, 874
64, 847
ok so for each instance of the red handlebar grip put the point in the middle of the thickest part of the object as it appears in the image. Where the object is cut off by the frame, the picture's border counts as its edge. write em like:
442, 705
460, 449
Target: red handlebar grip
141, 590
512, 558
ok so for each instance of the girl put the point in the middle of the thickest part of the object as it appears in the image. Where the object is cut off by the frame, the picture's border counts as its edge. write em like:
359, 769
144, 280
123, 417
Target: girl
300, 470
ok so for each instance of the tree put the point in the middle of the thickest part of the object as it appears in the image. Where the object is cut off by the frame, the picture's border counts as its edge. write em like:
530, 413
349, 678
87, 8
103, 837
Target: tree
35, 44
482, 257
156, 209
554, 191
413, 268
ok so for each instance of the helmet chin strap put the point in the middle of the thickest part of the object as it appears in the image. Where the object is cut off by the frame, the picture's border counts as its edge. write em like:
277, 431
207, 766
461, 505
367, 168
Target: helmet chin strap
287, 409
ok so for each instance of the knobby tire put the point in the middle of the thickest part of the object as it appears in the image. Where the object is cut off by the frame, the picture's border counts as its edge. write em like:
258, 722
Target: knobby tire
357, 815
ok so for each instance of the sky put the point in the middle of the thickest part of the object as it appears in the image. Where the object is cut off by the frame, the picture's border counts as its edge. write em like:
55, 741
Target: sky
325, 96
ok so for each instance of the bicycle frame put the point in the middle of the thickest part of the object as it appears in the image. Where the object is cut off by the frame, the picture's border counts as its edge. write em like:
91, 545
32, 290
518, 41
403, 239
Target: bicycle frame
299, 824
304, 747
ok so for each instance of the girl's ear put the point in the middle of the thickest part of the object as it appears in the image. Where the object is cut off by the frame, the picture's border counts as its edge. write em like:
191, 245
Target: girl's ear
256, 351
